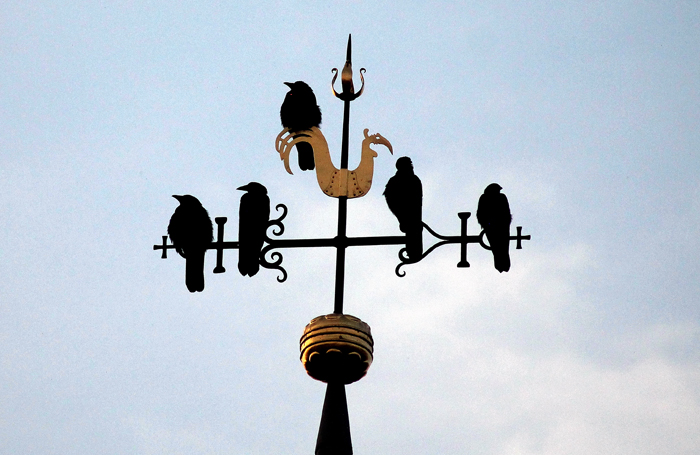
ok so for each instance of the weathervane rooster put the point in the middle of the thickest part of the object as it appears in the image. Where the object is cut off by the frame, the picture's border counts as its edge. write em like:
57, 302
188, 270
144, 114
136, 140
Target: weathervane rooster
333, 181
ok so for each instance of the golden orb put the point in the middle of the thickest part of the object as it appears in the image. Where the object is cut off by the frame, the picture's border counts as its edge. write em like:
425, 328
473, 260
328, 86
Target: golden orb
336, 348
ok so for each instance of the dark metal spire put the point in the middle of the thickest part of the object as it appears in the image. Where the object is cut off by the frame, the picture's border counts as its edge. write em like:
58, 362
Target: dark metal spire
334, 430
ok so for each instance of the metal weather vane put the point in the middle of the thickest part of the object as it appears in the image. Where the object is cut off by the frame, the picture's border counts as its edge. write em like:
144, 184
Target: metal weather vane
338, 348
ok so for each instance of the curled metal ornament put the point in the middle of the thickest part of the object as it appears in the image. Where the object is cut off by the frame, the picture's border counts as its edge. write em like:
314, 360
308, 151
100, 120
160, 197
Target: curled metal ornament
403, 257
277, 223
335, 76
405, 260
349, 94
444, 240
275, 257
462, 240
274, 262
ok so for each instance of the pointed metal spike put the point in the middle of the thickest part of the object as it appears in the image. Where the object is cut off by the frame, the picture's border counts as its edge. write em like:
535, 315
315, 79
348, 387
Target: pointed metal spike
349, 57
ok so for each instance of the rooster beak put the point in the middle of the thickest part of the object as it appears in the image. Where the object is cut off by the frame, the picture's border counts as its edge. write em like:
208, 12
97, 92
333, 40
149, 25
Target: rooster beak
381, 140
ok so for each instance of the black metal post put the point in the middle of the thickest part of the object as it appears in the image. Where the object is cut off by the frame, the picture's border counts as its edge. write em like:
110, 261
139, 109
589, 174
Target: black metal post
343, 201
341, 245
334, 430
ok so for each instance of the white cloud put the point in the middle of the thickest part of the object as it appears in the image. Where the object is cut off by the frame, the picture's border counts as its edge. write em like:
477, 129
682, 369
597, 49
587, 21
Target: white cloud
463, 361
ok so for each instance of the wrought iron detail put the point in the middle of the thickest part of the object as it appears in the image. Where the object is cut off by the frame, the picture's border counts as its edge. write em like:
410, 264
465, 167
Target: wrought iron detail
271, 259
277, 222
276, 257
346, 78
274, 262
462, 239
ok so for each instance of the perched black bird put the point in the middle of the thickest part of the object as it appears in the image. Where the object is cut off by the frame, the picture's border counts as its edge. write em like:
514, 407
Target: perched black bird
404, 196
253, 216
191, 232
493, 214
300, 112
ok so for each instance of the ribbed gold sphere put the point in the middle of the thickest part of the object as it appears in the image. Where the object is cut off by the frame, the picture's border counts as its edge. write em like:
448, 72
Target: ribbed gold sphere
336, 348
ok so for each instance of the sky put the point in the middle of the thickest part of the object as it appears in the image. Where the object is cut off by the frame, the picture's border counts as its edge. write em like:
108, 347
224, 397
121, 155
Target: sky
587, 113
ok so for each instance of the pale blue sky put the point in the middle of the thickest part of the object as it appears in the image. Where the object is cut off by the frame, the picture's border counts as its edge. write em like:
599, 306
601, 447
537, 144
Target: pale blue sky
586, 113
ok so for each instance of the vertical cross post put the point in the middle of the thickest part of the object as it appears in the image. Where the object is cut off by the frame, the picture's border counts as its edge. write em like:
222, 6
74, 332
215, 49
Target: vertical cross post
341, 239
463, 216
519, 238
341, 245
334, 431
220, 221
164, 247
342, 220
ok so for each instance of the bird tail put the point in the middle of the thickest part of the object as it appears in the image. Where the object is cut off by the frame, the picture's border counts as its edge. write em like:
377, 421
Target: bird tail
501, 256
249, 268
414, 244
501, 260
306, 156
249, 262
500, 243
194, 271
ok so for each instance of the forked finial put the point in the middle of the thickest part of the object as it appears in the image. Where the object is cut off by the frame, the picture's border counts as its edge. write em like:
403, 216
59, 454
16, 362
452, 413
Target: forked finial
348, 93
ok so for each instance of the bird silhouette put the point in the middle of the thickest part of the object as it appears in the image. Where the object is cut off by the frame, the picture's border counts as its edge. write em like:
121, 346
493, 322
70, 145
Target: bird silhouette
253, 216
493, 214
404, 196
191, 232
300, 112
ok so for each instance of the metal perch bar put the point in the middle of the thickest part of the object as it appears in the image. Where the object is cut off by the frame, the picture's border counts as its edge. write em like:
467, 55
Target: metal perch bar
342, 242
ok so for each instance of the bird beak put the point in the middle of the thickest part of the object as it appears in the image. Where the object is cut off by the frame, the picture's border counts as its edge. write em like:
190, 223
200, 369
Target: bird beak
244, 187
388, 145
381, 140
179, 198
288, 84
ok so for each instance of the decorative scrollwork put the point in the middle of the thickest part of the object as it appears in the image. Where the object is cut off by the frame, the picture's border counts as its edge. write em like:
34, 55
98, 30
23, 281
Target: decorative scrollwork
403, 257
362, 77
403, 254
277, 222
335, 76
275, 257
274, 262
435, 234
434, 247
444, 240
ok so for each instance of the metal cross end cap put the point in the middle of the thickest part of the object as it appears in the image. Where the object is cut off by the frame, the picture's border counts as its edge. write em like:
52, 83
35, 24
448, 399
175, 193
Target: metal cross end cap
336, 348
